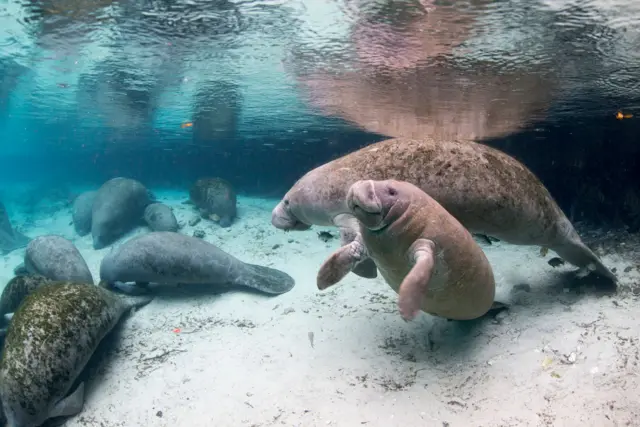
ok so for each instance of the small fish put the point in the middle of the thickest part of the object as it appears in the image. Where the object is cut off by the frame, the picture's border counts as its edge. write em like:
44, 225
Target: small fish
186, 125
325, 236
621, 116
544, 251
310, 334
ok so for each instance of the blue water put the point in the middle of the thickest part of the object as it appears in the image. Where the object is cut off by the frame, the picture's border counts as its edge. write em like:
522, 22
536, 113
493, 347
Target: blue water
260, 92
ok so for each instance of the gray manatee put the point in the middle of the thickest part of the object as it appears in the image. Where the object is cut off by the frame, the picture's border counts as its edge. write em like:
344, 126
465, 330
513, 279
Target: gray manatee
216, 200
81, 212
56, 258
160, 217
118, 207
52, 336
163, 257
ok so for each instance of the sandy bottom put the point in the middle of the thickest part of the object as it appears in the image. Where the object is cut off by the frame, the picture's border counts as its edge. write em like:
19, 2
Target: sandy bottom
562, 355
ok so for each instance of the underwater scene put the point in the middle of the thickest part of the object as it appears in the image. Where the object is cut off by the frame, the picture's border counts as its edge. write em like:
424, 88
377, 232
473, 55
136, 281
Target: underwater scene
319, 213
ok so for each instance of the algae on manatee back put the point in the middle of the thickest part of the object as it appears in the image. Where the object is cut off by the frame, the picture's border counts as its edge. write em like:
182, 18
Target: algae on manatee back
52, 336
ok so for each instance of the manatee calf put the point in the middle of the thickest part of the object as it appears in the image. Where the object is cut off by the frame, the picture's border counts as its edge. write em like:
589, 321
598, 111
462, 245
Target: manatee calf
160, 217
81, 212
421, 250
56, 258
117, 208
163, 257
15, 291
50, 339
216, 199
10, 239
486, 190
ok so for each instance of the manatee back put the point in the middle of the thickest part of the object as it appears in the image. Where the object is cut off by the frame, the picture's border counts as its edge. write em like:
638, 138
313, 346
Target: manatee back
160, 217
49, 341
169, 258
484, 188
118, 206
56, 258
82, 212
215, 196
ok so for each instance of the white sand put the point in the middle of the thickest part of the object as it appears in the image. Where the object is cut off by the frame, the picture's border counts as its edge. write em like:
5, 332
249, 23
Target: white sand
558, 357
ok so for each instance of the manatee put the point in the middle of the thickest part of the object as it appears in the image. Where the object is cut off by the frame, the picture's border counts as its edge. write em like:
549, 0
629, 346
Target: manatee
117, 208
489, 192
216, 199
56, 258
10, 239
15, 291
164, 257
81, 212
421, 250
160, 217
50, 339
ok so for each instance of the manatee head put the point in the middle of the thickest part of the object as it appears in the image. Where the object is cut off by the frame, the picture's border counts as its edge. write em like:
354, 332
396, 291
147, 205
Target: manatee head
290, 214
104, 231
376, 204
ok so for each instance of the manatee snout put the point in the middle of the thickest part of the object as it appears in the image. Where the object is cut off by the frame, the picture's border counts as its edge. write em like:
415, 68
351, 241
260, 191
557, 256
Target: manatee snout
225, 222
364, 203
108, 269
99, 242
283, 219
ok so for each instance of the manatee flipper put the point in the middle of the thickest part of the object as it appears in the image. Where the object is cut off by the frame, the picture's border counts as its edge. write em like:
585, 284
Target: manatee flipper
70, 405
578, 254
414, 286
339, 264
365, 268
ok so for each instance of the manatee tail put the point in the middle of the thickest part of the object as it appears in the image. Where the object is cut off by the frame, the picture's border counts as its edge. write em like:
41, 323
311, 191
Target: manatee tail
578, 254
265, 279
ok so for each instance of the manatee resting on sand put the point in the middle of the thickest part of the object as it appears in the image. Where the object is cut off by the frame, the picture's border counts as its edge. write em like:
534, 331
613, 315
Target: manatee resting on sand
216, 199
49, 341
160, 217
81, 212
486, 190
172, 258
117, 208
56, 258
10, 239
15, 292
421, 250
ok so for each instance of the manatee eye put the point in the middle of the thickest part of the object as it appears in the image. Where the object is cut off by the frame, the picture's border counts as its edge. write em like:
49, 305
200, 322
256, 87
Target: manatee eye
392, 191
286, 202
